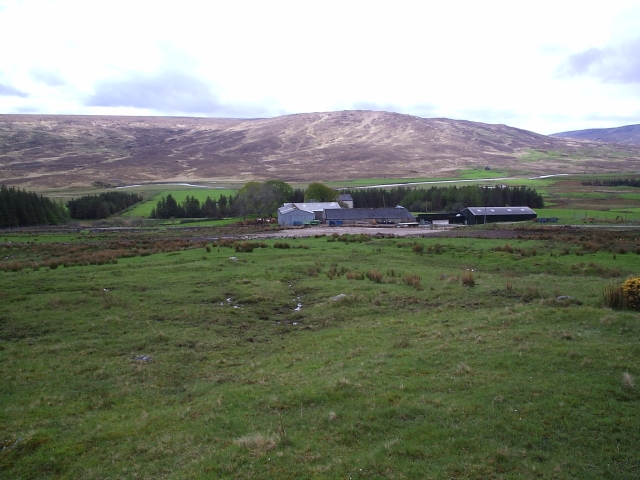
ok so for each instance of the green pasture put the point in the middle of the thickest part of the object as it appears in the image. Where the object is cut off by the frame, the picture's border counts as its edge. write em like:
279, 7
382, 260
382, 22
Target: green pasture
144, 209
337, 357
577, 216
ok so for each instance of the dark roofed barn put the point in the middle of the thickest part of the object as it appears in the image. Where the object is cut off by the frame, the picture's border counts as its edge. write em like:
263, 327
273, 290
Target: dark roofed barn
480, 215
347, 216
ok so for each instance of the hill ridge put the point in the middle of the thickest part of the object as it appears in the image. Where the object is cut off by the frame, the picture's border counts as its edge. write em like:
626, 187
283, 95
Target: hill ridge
75, 150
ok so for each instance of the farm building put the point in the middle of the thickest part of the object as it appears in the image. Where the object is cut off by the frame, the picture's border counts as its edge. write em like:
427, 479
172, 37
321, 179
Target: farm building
347, 199
479, 215
296, 214
347, 216
448, 217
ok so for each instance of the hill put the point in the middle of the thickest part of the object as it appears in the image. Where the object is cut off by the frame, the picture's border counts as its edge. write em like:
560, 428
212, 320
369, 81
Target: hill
629, 134
59, 151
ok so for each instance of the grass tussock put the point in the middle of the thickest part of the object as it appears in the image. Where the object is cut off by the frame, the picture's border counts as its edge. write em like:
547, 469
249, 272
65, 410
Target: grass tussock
468, 279
375, 276
247, 247
612, 295
350, 275
257, 442
313, 270
412, 280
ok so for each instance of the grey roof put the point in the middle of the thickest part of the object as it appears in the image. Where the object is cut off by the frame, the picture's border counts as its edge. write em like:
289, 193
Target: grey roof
368, 214
345, 197
500, 211
289, 207
316, 206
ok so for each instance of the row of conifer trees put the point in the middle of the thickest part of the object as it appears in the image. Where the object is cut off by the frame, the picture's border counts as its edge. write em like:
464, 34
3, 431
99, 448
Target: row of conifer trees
21, 208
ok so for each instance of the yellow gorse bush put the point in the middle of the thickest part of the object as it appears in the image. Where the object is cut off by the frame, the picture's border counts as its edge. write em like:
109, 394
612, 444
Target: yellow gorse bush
631, 293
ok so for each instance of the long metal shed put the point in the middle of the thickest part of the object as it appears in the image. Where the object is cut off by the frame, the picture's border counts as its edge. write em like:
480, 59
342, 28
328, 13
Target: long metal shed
480, 215
367, 215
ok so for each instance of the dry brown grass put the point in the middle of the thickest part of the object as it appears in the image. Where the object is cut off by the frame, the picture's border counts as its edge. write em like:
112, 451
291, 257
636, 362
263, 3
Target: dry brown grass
412, 280
375, 276
628, 381
257, 442
467, 278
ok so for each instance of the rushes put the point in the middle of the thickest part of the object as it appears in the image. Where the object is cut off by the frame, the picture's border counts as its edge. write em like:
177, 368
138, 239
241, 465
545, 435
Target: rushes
412, 280
612, 295
375, 276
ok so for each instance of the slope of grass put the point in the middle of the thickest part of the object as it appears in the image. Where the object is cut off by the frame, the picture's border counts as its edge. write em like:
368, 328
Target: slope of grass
338, 357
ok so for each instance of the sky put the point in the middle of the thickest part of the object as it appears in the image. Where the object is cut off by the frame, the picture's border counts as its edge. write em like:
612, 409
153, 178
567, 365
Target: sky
544, 66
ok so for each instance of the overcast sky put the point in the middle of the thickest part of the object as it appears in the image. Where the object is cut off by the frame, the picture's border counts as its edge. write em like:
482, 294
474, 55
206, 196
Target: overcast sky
545, 66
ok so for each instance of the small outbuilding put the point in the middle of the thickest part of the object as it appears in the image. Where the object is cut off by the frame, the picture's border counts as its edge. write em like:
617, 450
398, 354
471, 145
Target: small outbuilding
351, 216
480, 215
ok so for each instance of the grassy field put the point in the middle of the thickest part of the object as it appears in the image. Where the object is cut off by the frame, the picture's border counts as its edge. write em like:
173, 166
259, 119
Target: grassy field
330, 357
577, 216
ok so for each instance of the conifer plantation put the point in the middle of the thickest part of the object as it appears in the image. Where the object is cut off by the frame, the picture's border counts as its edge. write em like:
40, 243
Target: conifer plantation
446, 198
97, 207
19, 208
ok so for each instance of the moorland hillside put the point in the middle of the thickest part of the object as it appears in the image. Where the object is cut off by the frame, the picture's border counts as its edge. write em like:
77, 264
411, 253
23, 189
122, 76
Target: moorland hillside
628, 134
39, 151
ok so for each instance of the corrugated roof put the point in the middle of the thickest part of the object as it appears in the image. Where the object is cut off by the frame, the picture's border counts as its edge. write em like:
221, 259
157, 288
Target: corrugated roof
316, 206
287, 209
500, 211
368, 214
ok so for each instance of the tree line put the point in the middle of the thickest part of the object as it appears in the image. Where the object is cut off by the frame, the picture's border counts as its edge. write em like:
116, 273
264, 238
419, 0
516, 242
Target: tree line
439, 199
19, 208
613, 182
254, 198
97, 207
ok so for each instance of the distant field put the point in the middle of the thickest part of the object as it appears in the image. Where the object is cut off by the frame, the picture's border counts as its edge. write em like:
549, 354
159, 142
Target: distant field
575, 216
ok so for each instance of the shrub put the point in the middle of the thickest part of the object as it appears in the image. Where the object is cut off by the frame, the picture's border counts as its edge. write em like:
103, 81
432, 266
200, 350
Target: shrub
631, 293
417, 248
281, 245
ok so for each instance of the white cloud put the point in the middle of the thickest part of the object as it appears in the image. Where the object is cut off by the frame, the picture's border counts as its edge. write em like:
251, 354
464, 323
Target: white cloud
493, 61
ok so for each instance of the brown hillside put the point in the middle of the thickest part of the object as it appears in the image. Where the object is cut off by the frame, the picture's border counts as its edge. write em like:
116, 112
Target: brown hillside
59, 151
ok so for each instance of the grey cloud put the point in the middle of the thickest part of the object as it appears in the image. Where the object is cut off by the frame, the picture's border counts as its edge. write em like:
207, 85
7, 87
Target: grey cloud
47, 77
166, 91
613, 64
9, 91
